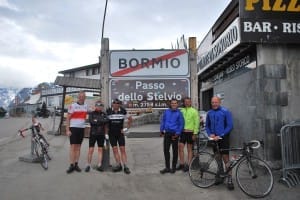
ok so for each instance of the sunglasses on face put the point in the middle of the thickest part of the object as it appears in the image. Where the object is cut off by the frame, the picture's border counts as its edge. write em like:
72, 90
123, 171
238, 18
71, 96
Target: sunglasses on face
116, 103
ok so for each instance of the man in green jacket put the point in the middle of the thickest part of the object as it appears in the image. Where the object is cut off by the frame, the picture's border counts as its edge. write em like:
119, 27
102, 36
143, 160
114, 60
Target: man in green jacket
191, 128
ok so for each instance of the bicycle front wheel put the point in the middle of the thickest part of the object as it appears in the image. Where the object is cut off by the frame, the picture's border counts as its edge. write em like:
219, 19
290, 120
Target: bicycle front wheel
203, 170
43, 159
254, 177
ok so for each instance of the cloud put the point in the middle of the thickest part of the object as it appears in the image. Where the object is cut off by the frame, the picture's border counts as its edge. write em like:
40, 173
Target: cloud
7, 5
40, 38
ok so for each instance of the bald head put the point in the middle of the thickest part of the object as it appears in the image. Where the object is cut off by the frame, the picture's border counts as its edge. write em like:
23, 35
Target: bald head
81, 97
215, 102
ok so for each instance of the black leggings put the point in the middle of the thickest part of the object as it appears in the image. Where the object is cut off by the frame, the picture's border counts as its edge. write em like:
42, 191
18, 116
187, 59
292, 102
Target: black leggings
167, 143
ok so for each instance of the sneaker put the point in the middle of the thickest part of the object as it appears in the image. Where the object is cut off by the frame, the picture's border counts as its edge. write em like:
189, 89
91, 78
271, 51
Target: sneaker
180, 167
230, 185
70, 169
126, 170
173, 170
117, 168
185, 168
77, 169
87, 169
165, 170
100, 168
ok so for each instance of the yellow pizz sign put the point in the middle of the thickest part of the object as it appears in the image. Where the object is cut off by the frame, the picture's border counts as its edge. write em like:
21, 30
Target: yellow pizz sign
273, 6
68, 100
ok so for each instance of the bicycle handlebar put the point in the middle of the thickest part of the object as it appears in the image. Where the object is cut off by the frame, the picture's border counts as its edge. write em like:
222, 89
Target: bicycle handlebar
21, 133
213, 139
23, 130
254, 144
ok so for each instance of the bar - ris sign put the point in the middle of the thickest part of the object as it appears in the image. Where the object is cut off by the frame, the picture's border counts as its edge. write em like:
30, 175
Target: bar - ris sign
270, 21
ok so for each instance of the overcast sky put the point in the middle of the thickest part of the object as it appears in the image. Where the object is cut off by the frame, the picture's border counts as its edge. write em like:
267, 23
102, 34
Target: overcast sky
38, 38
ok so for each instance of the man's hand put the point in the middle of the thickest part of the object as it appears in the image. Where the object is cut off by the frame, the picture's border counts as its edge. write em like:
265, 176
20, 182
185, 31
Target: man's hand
68, 133
214, 137
174, 137
194, 137
162, 134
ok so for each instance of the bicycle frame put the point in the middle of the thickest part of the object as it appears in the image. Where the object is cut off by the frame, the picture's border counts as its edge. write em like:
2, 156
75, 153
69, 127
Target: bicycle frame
38, 142
207, 167
246, 152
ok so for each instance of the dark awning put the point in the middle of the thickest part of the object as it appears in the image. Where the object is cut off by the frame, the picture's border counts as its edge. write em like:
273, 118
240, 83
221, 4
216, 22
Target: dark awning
78, 82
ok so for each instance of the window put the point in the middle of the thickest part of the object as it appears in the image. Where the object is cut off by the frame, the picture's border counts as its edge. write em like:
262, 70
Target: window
95, 70
50, 101
87, 72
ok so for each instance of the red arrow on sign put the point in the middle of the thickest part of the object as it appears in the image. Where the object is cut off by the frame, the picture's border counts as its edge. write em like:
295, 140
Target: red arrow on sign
173, 54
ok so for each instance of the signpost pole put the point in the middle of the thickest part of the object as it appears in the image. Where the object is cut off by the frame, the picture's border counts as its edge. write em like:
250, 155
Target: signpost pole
193, 71
104, 68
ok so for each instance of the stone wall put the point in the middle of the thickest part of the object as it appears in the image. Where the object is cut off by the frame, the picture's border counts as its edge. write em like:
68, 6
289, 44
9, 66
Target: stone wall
146, 118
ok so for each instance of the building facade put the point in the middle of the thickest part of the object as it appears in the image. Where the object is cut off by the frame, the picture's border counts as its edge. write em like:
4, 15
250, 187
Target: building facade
250, 58
54, 96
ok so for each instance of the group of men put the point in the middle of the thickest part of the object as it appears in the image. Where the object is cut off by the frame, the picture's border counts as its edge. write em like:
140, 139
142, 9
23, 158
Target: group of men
104, 125
180, 126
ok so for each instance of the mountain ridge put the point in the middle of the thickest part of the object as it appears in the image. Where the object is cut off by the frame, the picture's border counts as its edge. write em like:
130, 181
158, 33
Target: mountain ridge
10, 96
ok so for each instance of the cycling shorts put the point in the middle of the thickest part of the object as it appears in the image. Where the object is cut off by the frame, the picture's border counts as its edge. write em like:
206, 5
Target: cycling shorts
224, 144
96, 138
186, 137
77, 135
116, 139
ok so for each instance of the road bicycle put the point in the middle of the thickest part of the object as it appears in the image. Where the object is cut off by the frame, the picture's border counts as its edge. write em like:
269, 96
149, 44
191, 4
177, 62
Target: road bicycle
253, 175
40, 146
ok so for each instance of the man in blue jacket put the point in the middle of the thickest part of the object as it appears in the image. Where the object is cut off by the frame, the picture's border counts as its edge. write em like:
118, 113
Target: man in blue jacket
218, 125
171, 126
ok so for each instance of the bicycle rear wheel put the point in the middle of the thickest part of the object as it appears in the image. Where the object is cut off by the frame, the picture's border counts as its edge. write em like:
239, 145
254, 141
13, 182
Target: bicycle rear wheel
254, 177
203, 170
43, 159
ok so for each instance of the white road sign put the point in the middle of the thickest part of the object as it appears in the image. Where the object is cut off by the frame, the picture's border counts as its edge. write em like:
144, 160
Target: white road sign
136, 63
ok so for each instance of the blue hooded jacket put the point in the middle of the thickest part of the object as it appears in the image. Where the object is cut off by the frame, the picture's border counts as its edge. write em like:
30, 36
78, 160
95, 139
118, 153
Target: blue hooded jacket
172, 121
218, 122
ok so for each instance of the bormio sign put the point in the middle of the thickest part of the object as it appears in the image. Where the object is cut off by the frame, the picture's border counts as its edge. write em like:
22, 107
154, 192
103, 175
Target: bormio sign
148, 63
145, 79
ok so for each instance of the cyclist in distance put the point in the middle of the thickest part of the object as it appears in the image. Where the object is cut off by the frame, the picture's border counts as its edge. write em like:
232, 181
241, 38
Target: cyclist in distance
218, 125
38, 127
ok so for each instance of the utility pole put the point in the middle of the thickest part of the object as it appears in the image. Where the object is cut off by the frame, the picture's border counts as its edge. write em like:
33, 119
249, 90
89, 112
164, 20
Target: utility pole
104, 73
193, 68
104, 61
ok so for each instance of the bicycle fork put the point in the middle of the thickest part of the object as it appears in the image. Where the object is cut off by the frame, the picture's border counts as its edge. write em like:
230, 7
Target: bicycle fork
251, 168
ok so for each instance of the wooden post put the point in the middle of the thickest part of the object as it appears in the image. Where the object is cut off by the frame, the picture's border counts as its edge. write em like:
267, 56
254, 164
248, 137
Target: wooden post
193, 71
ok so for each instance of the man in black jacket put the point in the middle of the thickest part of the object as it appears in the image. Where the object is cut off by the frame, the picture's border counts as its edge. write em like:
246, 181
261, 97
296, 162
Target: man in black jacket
99, 121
